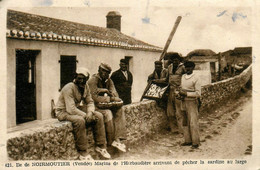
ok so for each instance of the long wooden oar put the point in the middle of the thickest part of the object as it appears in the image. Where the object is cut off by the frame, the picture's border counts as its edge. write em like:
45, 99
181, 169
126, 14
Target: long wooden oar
178, 20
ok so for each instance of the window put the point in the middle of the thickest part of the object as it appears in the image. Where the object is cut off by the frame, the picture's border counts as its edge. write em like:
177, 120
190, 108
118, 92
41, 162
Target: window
129, 60
67, 69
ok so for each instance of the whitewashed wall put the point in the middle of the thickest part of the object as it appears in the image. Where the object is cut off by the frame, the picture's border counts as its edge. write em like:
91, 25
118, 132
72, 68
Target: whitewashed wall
48, 69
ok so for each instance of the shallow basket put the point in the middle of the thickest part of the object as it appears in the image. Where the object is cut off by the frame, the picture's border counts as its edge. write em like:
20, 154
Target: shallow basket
102, 105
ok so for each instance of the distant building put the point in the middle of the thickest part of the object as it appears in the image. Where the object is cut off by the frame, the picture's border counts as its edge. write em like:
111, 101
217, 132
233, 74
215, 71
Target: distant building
43, 54
206, 64
240, 55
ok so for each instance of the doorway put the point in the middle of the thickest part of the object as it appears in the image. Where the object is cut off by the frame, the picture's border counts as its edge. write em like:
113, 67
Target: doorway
25, 85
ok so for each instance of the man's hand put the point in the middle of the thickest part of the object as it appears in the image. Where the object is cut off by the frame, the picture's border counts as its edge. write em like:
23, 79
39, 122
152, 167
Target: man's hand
183, 93
89, 117
103, 91
115, 99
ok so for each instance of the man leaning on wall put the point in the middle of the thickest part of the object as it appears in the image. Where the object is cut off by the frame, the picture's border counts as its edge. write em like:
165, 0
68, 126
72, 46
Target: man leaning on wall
173, 77
76, 105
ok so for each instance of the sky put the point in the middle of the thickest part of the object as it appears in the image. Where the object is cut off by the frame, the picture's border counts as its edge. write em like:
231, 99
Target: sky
209, 25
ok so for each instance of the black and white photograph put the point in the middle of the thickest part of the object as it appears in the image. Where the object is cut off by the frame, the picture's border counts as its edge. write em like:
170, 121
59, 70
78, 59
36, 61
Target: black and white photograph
149, 84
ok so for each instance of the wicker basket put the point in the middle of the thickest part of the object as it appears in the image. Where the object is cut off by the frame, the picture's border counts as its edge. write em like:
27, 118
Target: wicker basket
102, 105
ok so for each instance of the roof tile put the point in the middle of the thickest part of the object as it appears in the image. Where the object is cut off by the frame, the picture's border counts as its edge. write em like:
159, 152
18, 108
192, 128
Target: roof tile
45, 27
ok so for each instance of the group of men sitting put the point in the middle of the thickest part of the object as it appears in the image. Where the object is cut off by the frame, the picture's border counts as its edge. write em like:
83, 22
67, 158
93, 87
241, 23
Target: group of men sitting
78, 99
77, 104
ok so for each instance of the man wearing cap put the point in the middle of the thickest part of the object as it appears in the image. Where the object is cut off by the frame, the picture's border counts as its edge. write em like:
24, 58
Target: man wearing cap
156, 76
103, 90
76, 105
123, 80
175, 72
191, 92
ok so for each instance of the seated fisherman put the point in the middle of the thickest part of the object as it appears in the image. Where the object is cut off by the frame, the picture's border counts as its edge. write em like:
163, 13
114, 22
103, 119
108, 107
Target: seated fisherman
103, 90
76, 105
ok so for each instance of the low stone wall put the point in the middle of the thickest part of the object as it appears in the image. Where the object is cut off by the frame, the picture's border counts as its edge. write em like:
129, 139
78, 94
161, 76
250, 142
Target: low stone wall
55, 140
47, 142
142, 119
218, 92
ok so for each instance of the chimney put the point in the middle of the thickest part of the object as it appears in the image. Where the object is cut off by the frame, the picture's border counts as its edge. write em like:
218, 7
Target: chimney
114, 20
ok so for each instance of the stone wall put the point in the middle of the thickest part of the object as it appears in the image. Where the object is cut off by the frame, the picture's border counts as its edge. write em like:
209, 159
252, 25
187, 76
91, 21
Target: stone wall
218, 92
47, 142
142, 119
55, 140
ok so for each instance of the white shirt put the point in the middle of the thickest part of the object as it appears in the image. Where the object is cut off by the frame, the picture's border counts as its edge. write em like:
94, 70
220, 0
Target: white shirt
125, 74
191, 84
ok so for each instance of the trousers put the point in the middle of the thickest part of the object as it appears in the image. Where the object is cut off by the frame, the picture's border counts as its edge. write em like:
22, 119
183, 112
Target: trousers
115, 124
174, 113
79, 129
190, 122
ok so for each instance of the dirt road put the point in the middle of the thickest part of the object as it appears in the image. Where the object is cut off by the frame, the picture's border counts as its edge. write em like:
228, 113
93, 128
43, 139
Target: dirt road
225, 133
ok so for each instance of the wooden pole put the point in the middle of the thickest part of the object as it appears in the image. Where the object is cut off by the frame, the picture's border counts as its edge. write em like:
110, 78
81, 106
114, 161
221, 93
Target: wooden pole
178, 20
219, 66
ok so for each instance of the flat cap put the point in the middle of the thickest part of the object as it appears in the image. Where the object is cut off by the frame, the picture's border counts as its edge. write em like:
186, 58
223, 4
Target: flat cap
82, 70
158, 63
123, 61
105, 67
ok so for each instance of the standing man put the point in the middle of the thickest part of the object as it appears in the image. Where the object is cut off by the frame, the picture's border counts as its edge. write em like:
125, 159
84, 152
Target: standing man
156, 76
123, 80
175, 72
103, 90
76, 105
191, 91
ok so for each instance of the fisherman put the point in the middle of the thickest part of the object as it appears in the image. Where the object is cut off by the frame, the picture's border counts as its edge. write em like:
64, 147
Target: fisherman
123, 80
76, 105
191, 92
173, 77
157, 74
103, 90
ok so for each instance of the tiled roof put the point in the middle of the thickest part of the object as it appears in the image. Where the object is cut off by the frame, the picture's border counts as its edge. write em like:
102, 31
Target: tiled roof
201, 52
30, 26
242, 50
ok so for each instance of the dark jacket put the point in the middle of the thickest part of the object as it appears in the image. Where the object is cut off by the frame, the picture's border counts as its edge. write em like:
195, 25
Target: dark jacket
123, 86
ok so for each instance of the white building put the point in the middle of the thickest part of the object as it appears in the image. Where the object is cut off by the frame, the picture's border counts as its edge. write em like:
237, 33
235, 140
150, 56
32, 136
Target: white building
43, 53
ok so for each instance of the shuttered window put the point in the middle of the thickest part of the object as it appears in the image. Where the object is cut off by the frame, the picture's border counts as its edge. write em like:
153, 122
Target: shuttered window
67, 69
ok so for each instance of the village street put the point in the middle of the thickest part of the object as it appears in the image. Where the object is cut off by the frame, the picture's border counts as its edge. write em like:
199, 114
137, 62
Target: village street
225, 133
